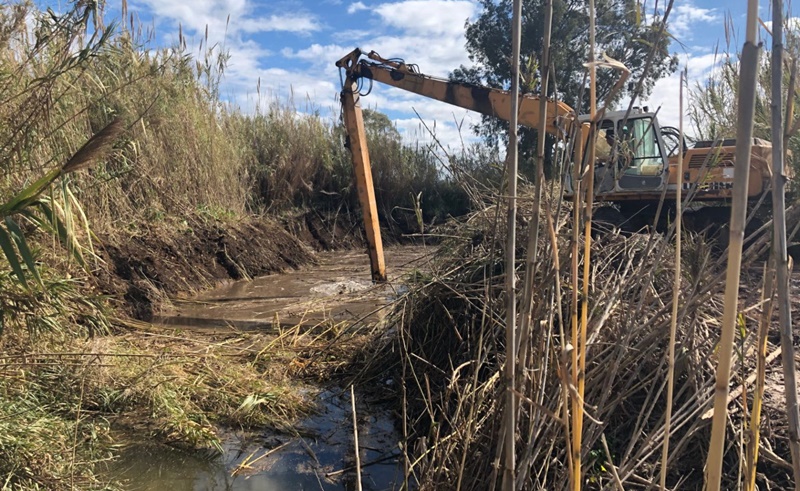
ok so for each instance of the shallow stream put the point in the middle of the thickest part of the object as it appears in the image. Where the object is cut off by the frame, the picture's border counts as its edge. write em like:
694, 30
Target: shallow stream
319, 457
318, 454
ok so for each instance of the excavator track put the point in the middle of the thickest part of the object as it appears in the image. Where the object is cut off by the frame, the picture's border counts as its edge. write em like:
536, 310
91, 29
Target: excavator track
710, 220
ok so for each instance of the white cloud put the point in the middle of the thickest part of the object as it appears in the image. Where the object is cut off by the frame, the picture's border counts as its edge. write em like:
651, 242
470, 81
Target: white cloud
425, 17
666, 92
303, 23
355, 7
682, 21
317, 54
229, 16
428, 33
232, 25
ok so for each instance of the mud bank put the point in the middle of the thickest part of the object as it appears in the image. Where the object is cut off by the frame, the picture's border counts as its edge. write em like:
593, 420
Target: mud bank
144, 267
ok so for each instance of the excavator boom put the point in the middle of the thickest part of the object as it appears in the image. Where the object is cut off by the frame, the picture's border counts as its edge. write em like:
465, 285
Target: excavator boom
484, 100
560, 121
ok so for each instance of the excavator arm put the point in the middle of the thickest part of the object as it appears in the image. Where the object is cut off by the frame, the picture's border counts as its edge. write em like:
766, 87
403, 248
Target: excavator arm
358, 67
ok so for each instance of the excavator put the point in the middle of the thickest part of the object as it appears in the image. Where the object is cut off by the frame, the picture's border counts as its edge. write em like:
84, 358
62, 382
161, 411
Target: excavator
636, 163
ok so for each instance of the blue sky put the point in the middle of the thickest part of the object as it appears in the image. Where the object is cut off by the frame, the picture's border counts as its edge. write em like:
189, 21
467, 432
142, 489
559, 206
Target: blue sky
290, 46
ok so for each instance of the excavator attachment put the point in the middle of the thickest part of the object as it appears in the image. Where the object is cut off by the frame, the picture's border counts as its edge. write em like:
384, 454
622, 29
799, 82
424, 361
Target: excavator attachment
360, 69
357, 143
485, 100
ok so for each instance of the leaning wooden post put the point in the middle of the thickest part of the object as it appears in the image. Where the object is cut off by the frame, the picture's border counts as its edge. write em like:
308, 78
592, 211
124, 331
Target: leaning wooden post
357, 143
744, 140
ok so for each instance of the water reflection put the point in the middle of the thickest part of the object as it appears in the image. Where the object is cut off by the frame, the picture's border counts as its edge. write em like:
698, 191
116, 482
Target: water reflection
319, 458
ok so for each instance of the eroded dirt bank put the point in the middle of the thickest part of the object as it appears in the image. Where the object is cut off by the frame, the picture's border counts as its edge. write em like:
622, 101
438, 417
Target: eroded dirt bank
147, 265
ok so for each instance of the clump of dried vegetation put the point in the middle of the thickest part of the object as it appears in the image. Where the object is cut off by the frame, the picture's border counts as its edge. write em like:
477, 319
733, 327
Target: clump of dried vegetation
447, 346
448, 350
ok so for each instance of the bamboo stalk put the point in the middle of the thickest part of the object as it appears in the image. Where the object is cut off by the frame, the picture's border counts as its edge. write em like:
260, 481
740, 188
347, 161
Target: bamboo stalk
744, 141
510, 416
676, 291
577, 432
576, 215
537, 384
779, 242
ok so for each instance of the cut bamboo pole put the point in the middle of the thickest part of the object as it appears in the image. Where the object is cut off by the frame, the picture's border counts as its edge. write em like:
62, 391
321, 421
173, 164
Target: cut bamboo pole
577, 431
744, 141
676, 291
779, 241
510, 416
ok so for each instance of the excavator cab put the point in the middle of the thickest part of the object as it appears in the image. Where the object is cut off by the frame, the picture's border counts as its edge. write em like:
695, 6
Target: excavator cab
630, 155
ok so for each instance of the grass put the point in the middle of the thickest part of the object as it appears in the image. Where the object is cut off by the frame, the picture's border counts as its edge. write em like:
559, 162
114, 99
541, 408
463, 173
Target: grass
68, 402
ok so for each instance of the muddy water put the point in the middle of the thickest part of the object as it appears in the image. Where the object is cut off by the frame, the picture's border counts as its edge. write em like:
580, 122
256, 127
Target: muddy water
337, 289
320, 456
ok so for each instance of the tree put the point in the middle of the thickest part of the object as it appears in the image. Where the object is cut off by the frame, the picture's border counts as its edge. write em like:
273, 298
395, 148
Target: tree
408, 179
622, 33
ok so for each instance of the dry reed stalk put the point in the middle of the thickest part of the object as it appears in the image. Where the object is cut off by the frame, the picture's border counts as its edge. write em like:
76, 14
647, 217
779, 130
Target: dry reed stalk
247, 464
614, 474
787, 123
767, 294
779, 241
744, 141
573, 350
355, 439
533, 228
627, 364
536, 383
577, 430
676, 289
510, 420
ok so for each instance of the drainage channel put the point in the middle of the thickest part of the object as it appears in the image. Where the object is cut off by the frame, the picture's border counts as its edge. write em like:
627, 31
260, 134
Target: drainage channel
319, 453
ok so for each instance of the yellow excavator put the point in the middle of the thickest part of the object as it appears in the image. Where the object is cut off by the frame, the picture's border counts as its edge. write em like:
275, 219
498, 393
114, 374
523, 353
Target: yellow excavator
637, 160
